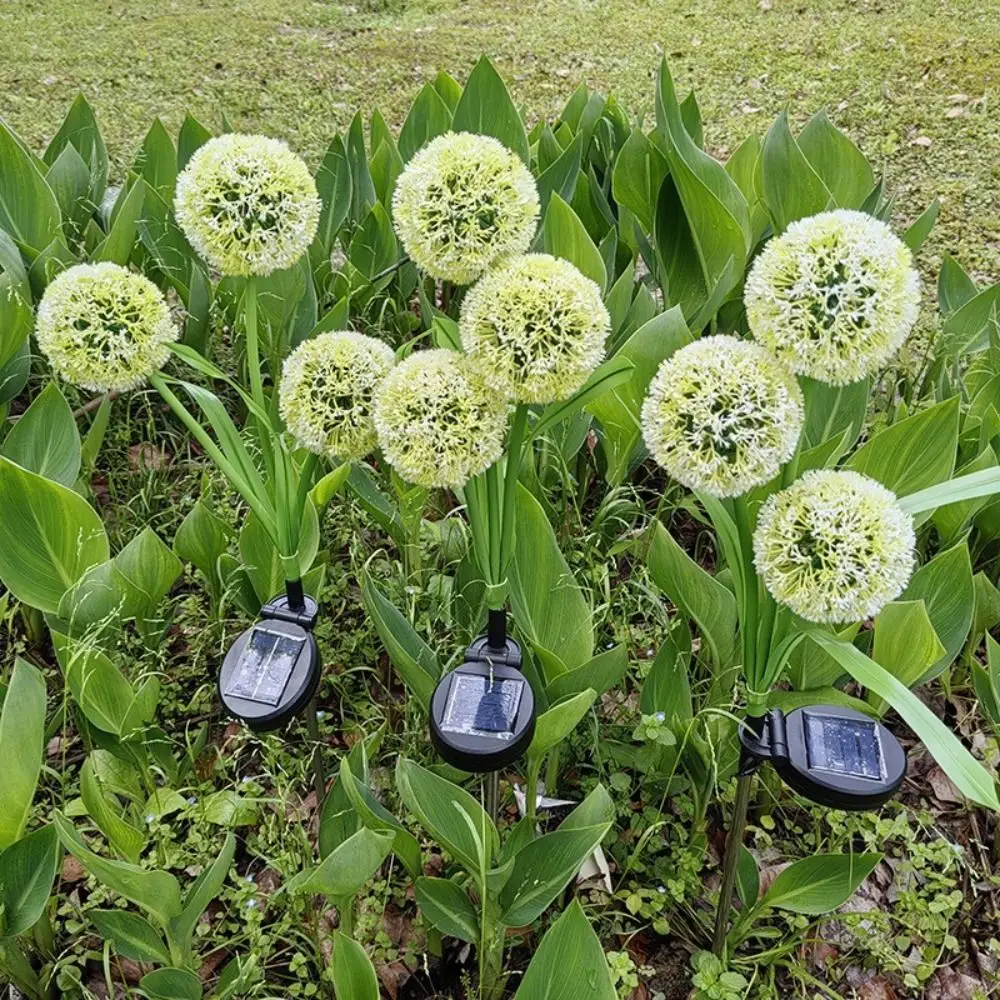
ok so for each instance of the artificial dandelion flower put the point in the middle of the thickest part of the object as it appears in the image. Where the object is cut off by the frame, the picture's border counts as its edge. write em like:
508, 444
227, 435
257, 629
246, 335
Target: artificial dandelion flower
463, 202
438, 422
834, 296
103, 327
535, 328
722, 415
326, 392
247, 204
835, 546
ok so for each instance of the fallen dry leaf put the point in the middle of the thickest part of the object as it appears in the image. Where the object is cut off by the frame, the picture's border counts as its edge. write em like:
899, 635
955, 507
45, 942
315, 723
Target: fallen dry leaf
147, 457
950, 984
72, 870
944, 788
877, 989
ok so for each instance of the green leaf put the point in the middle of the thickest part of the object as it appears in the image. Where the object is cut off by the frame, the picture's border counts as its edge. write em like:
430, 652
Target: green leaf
149, 570
975, 484
333, 182
747, 877
428, 118
667, 687
81, 131
69, 180
52, 536
946, 587
968, 329
618, 410
207, 886
162, 237
27, 869
790, 187
543, 867
833, 411
261, 558
557, 722
362, 189
819, 884
171, 984
842, 167
485, 108
157, 892
601, 673
955, 287
699, 595
373, 247
14, 374
447, 908
560, 177
448, 813
119, 244
639, 172
549, 606
133, 936
905, 642
29, 211
95, 683
918, 232
16, 313
345, 870
353, 973
964, 770
410, 655
564, 235
913, 453
192, 136
22, 743
570, 944
107, 816
605, 377
157, 160
200, 540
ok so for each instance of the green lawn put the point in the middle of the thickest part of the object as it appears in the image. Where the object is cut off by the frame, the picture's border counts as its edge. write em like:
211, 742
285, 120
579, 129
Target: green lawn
916, 82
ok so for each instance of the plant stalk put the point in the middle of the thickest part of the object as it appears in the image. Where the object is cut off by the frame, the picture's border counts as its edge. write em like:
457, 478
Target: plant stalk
730, 866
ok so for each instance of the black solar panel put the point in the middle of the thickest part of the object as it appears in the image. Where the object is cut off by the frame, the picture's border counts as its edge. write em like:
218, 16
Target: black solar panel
844, 746
481, 706
265, 666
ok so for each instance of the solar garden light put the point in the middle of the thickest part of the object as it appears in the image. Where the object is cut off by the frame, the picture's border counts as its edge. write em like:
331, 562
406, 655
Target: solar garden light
272, 671
834, 756
483, 712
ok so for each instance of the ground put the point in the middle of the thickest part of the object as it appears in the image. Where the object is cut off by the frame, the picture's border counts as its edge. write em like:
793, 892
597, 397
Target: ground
914, 81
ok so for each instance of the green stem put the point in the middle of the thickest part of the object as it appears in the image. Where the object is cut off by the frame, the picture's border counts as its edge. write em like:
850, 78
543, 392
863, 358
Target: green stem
515, 445
253, 346
552, 771
345, 910
494, 514
748, 626
491, 942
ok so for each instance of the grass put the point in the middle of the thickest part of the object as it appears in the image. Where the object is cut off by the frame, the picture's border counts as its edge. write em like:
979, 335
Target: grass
915, 82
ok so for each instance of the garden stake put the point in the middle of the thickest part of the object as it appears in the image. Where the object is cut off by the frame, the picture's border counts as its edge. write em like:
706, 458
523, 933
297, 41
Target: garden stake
831, 755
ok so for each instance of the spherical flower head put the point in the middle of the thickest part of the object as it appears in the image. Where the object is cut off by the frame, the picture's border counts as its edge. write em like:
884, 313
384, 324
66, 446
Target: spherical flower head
463, 202
834, 296
103, 327
438, 422
247, 204
535, 327
722, 415
327, 389
834, 547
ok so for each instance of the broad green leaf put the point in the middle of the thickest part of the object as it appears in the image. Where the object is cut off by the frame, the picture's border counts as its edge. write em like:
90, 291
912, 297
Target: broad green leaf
833, 411
354, 975
448, 813
549, 606
338, 818
171, 984
914, 453
905, 642
192, 136
80, 130
955, 287
485, 108
667, 687
986, 615
975, 484
564, 235
163, 238
543, 867
133, 936
22, 743
918, 232
149, 570
95, 683
638, 175
345, 870
362, 189
968, 329
200, 540
791, 187
570, 944
448, 908
333, 182
121, 835
842, 167
428, 118
410, 655
69, 180
964, 770
747, 877
261, 558
27, 869
560, 177
819, 884
600, 672
701, 597
986, 681
16, 312
386, 166
558, 721
29, 211
744, 168
52, 536
14, 374
157, 892
605, 377
946, 587
373, 247
157, 160
119, 244
618, 409
207, 887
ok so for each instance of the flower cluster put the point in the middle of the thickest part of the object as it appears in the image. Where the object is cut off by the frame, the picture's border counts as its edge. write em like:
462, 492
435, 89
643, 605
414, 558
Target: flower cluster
835, 296
834, 547
438, 423
462, 203
103, 327
247, 204
326, 394
722, 415
535, 328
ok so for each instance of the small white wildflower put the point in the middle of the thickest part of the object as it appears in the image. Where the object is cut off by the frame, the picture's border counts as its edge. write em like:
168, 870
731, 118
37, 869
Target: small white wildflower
535, 327
247, 204
834, 547
463, 202
722, 415
326, 392
834, 296
438, 423
103, 327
